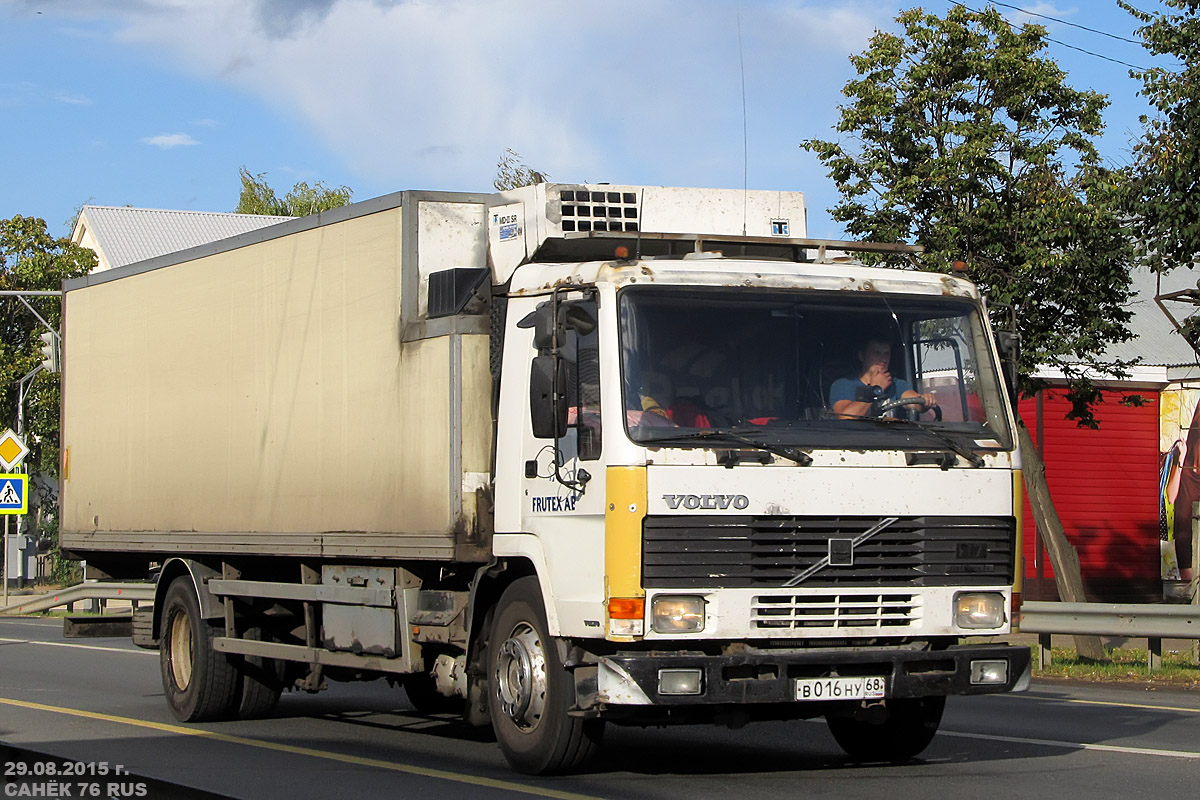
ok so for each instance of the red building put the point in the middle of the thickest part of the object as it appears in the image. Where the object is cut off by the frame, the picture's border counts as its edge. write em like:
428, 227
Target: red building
1105, 482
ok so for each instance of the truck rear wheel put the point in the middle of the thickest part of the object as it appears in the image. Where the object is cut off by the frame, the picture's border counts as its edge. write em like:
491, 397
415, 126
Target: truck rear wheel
261, 681
530, 691
200, 683
910, 726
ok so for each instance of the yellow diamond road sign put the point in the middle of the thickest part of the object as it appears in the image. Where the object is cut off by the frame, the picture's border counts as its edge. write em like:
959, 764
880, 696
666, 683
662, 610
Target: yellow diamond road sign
12, 450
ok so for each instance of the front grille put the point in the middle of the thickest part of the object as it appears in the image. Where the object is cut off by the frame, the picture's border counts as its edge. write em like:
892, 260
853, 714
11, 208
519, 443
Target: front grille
777, 615
686, 552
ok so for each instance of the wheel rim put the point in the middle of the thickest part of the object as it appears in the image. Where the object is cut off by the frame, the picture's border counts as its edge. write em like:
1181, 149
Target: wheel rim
181, 651
521, 677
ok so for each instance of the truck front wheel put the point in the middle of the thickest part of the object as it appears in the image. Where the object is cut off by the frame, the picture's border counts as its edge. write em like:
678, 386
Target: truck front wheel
908, 729
200, 683
531, 691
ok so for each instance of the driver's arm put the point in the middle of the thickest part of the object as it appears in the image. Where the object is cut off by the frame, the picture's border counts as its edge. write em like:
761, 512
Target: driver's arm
847, 409
927, 399
847, 399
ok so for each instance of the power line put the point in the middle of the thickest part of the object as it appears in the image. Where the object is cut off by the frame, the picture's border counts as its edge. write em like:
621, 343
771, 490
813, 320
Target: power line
1064, 22
1056, 41
1096, 55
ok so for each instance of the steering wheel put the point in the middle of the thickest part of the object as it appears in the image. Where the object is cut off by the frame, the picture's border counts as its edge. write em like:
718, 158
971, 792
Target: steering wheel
888, 405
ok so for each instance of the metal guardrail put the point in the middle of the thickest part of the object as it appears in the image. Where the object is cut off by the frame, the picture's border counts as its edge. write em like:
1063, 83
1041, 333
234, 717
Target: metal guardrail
1151, 621
135, 593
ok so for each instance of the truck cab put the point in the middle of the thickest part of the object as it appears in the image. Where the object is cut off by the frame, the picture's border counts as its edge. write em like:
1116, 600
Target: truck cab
716, 539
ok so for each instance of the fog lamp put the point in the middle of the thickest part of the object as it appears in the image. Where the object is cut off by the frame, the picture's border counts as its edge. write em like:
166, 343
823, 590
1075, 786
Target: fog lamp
679, 681
979, 610
677, 613
989, 672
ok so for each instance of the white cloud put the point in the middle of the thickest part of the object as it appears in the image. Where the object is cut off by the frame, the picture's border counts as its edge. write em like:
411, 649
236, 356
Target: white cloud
428, 95
167, 141
1044, 14
27, 92
73, 99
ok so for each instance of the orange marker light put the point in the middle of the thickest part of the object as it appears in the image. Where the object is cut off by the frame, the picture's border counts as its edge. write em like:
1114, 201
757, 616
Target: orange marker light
626, 607
622, 251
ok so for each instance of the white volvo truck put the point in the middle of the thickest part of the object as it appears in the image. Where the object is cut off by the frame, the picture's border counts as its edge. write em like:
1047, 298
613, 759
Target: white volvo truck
553, 459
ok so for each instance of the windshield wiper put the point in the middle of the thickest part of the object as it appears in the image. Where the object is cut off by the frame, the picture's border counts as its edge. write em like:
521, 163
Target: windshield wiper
792, 454
954, 446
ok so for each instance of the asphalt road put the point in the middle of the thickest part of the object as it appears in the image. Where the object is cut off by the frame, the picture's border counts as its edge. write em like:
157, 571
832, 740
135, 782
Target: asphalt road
83, 707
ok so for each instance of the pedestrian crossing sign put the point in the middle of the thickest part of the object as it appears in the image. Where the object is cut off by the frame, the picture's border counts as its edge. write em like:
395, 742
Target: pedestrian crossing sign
14, 499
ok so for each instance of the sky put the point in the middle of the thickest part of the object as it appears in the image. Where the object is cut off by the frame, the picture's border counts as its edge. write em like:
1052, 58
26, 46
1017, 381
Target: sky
158, 103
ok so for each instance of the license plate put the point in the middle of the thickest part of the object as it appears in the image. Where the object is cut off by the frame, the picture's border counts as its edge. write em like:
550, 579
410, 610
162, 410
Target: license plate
841, 688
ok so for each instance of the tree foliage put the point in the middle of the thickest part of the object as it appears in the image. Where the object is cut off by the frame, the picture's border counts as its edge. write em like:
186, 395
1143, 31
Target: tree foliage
964, 137
258, 197
1164, 194
512, 173
968, 140
33, 260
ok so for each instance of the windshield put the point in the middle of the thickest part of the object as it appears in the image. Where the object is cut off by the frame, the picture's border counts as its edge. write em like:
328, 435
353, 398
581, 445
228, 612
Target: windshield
808, 369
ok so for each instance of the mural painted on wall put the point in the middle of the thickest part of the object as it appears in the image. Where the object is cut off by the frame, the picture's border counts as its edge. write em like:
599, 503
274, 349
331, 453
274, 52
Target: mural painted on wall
1179, 478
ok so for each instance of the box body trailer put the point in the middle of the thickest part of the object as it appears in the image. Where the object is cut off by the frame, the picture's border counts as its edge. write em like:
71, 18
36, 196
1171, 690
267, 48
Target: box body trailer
552, 458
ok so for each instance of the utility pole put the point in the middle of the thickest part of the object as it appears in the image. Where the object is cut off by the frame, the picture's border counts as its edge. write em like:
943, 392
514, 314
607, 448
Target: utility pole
51, 363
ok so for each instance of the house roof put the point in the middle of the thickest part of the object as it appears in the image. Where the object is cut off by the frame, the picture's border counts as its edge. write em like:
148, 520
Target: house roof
123, 235
1155, 339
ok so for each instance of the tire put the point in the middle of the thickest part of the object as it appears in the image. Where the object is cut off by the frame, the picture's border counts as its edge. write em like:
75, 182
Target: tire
908, 730
200, 684
261, 681
530, 692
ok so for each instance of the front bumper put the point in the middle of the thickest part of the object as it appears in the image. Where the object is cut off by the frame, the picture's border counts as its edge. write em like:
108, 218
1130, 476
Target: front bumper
769, 676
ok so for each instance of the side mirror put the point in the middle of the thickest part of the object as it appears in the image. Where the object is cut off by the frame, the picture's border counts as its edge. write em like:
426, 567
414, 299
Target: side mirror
1009, 343
575, 315
542, 323
578, 316
543, 328
548, 374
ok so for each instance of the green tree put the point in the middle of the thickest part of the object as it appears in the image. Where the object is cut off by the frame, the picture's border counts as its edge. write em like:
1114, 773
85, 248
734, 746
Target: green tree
512, 173
1162, 202
965, 138
258, 197
33, 260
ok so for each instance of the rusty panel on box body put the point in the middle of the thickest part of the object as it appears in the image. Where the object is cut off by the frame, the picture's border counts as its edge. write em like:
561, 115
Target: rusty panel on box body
262, 389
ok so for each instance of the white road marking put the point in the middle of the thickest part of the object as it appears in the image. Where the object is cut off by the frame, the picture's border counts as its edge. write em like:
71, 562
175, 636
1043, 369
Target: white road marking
139, 651
1107, 748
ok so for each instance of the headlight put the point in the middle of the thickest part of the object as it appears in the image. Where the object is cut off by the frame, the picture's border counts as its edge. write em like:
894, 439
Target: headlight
677, 613
979, 610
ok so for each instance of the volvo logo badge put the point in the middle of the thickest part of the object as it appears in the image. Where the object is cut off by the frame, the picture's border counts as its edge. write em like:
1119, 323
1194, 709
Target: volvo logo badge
706, 501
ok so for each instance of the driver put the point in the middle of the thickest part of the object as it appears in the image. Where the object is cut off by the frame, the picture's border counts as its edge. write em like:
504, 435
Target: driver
855, 396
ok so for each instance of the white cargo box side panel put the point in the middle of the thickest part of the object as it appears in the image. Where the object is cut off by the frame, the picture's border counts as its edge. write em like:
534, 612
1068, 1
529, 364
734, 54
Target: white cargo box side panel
451, 235
666, 209
262, 389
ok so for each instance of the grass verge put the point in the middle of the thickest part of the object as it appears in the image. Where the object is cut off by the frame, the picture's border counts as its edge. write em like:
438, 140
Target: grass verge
1125, 665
